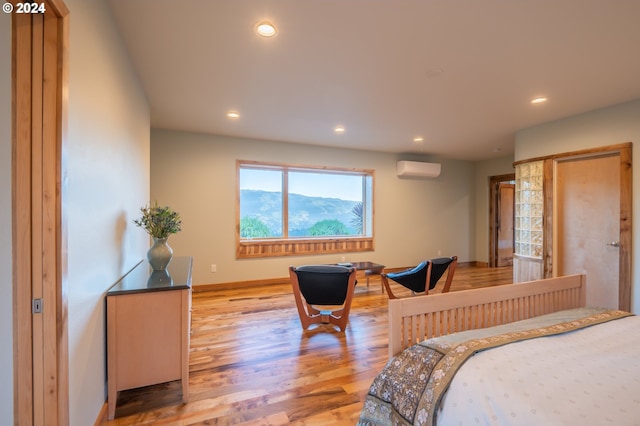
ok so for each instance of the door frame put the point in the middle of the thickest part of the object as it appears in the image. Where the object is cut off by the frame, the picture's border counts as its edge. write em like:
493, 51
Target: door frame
624, 256
624, 150
494, 181
39, 114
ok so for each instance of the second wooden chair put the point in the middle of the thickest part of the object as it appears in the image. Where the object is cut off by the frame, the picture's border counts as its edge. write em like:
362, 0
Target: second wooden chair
423, 277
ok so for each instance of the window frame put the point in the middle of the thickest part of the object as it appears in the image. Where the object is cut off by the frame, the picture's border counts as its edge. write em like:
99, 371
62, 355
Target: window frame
297, 246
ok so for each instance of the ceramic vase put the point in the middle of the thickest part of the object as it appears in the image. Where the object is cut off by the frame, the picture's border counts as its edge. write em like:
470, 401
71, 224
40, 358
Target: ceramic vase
159, 279
159, 255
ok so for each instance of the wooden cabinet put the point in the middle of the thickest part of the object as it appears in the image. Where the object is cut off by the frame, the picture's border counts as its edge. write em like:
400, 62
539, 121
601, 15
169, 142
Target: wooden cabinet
148, 328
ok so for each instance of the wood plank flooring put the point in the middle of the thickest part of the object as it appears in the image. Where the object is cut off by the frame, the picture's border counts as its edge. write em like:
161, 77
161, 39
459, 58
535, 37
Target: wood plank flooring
252, 364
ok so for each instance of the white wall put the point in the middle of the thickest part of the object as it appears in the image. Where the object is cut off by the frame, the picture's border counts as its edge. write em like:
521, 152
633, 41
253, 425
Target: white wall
6, 312
606, 126
414, 218
108, 180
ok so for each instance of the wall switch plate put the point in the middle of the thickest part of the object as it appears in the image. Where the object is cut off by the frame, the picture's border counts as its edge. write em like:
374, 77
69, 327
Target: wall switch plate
214, 268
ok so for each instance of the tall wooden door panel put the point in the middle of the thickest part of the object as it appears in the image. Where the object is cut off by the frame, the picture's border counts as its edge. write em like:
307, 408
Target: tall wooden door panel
588, 224
39, 296
505, 238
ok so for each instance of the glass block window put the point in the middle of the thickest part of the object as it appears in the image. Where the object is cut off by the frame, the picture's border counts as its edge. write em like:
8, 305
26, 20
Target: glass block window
529, 209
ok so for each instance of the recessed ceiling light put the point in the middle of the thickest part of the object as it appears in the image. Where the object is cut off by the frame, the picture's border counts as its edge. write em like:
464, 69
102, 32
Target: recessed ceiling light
418, 139
233, 114
539, 100
266, 29
339, 129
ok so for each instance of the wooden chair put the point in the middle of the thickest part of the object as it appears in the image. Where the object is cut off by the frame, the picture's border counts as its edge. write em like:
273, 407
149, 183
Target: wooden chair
328, 286
423, 277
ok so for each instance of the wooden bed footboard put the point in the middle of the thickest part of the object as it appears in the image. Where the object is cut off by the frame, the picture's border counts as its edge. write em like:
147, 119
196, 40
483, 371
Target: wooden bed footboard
418, 318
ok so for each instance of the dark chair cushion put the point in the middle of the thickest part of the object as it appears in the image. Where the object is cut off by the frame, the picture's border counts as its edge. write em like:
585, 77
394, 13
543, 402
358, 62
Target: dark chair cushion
414, 279
323, 284
438, 268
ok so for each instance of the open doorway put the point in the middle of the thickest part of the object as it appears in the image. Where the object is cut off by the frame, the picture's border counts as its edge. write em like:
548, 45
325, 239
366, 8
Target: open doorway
501, 220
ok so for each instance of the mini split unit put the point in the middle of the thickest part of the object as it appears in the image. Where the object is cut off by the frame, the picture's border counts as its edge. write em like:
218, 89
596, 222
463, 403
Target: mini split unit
418, 169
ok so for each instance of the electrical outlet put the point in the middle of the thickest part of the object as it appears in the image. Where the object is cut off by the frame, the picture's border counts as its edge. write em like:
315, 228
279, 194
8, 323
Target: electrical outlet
439, 252
214, 268
343, 258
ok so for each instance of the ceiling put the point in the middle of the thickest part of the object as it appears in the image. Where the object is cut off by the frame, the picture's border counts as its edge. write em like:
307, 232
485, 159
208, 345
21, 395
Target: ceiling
460, 74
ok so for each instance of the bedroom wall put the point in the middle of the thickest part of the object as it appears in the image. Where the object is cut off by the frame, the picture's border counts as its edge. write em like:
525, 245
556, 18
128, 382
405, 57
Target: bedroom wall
108, 179
606, 126
6, 312
414, 218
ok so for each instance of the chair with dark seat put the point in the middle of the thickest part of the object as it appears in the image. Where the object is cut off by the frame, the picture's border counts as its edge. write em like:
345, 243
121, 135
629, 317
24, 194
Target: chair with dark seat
328, 286
423, 277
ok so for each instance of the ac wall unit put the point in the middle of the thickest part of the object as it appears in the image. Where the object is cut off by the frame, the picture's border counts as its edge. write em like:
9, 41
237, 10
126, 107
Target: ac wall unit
418, 169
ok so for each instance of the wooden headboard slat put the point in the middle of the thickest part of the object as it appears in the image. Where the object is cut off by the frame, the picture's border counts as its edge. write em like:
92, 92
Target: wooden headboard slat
422, 317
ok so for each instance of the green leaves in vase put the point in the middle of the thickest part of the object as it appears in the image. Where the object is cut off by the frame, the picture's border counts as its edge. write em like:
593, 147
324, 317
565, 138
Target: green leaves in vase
159, 221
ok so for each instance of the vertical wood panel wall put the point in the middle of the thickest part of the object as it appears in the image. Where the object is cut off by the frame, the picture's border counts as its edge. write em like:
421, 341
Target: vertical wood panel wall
38, 112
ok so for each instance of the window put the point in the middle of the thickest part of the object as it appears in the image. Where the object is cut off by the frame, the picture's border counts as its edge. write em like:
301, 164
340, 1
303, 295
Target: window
284, 209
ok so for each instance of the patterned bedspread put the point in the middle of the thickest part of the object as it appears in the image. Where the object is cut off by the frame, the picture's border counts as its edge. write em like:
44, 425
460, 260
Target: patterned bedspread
412, 384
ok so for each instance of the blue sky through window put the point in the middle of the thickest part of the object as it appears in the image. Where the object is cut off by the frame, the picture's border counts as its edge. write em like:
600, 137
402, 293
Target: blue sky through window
328, 185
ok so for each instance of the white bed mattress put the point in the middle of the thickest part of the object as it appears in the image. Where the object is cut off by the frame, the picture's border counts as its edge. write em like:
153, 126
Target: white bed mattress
594, 380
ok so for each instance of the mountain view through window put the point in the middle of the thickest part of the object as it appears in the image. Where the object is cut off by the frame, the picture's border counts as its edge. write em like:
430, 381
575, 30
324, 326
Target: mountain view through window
285, 202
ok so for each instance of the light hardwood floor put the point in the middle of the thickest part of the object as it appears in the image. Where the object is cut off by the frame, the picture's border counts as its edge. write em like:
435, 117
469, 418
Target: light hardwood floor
252, 364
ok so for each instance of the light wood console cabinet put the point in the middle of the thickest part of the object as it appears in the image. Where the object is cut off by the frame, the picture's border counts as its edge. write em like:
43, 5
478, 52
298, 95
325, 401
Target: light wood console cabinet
148, 328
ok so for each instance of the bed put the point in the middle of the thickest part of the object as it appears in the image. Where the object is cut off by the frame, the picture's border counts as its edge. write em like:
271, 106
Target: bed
527, 353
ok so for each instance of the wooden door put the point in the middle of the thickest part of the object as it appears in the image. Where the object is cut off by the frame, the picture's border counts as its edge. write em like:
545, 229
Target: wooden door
501, 209
39, 297
588, 224
504, 226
